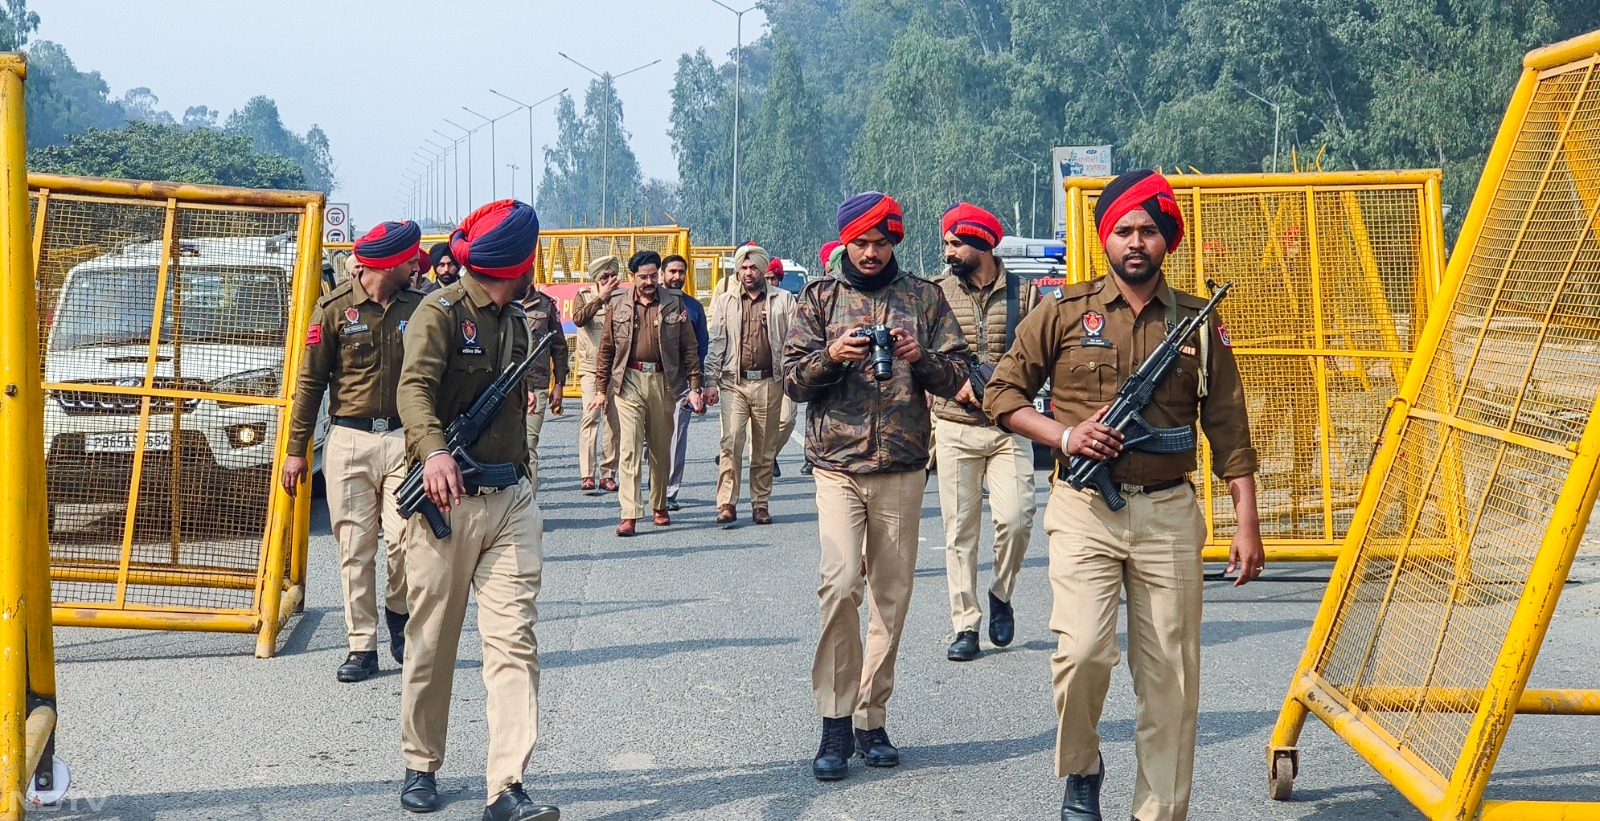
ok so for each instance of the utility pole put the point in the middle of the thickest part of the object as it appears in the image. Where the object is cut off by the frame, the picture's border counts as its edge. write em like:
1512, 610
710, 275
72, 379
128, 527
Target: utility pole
494, 189
605, 153
469, 157
738, 64
455, 142
1033, 215
531, 186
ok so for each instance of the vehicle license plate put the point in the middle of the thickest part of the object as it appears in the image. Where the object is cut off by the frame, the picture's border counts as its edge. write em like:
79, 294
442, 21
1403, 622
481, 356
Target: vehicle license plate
125, 442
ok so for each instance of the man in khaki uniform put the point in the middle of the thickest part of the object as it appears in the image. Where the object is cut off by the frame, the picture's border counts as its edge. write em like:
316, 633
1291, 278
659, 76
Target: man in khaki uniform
1086, 342
744, 369
353, 346
463, 336
589, 314
971, 450
869, 441
544, 316
648, 358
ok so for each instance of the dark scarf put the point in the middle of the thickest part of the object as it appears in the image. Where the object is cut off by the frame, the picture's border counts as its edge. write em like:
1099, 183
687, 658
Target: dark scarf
852, 275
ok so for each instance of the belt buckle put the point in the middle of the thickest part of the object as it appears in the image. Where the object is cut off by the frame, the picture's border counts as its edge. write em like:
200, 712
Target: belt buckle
1130, 490
380, 425
648, 367
485, 491
753, 375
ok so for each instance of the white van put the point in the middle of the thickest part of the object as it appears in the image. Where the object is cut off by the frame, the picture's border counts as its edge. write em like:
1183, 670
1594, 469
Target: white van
224, 333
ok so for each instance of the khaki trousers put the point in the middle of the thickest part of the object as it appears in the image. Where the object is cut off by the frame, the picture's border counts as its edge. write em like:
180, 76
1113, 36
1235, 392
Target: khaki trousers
644, 415
496, 552
967, 455
754, 404
1151, 548
872, 516
362, 470
590, 428
541, 402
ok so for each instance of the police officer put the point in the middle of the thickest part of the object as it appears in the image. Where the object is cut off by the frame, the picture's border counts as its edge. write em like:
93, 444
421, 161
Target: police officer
353, 346
971, 451
461, 337
543, 316
648, 357
1085, 343
743, 369
589, 314
869, 442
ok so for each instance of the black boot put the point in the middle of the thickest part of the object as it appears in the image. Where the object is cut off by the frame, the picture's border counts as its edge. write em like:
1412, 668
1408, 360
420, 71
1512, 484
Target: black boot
515, 805
876, 749
397, 634
1002, 622
777, 472
965, 647
1082, 801
805, 469
419, 792
833, 757
358, 667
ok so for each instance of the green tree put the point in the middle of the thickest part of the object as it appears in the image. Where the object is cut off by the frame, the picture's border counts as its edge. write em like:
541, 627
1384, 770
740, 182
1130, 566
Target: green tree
580, 172
702, 143
146, 151
790, 186
259, 122
63, 100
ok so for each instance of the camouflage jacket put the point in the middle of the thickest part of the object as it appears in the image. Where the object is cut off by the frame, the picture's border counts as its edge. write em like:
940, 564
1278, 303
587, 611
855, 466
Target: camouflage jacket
854, 423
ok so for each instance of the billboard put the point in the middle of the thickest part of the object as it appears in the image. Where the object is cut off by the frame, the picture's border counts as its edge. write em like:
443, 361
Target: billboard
1074, 161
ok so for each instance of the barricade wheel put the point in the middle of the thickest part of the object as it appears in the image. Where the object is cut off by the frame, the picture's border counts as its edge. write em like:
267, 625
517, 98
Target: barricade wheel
60, 780
1280, 777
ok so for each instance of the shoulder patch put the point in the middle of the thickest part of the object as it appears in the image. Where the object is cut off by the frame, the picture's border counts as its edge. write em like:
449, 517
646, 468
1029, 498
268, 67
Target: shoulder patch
314, 335
444, 301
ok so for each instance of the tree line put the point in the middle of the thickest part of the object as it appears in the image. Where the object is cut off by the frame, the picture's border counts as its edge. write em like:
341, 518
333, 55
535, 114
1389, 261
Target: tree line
937, 101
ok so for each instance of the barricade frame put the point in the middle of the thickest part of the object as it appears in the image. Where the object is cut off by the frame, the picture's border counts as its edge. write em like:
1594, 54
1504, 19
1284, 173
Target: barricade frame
1085, 260
1459, 793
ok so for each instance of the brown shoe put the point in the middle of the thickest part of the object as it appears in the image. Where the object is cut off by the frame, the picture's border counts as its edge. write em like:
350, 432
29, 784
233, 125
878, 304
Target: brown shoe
625, 528
608, 485
661, 518
761, 516
726, 515
587, 483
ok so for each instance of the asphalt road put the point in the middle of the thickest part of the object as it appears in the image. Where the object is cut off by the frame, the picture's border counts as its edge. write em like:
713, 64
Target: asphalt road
676, 685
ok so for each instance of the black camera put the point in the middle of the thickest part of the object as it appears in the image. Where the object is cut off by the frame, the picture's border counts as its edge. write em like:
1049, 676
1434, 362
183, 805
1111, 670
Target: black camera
880, 357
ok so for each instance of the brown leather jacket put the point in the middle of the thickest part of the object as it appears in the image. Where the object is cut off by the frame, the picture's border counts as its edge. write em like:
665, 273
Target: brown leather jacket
680, 351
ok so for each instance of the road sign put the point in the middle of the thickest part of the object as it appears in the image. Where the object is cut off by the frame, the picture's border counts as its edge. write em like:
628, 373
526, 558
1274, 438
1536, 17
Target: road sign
336, 222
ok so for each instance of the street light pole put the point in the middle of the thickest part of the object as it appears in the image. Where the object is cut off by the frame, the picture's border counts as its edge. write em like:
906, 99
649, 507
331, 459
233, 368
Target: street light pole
513, 166
530, 108
423, 180
494, 176
738, 65
455, 142
469, 156
1277, 121
605, 153
444, 174
1033, 214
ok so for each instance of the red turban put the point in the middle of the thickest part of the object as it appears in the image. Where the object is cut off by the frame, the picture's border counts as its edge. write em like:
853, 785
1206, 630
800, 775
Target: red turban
775, 266
975, 226
1140, 189
827, 250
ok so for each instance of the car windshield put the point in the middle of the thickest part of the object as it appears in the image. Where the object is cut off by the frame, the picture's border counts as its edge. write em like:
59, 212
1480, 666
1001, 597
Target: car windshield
226, 305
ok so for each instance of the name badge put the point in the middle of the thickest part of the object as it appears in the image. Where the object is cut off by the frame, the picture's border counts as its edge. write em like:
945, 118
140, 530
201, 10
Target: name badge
356, 329
1096, 342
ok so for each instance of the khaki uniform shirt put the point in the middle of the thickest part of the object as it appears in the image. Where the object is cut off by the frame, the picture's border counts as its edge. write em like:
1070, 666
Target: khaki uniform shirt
755, 347
1088, 340
589, 314
726, 350
544, 316
353, 345
459, 341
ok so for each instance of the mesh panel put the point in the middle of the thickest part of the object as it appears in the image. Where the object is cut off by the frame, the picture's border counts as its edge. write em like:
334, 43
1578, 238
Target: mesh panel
183, 340
1464, 507
1330, 289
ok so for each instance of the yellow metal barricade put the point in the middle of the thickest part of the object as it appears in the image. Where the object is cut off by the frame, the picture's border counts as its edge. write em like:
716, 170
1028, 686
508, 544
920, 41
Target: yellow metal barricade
174, 319
709, 265
27, 649
1332, 277
1484, 481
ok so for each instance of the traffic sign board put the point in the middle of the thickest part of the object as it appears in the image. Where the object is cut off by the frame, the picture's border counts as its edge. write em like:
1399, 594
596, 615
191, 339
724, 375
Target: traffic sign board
336, 222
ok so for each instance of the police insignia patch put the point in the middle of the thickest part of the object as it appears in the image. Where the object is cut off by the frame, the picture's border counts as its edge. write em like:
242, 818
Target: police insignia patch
469, 332
352, 315
1222, 334
1093, 323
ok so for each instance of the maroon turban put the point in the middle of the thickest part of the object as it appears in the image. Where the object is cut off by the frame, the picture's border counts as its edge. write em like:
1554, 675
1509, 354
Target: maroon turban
975, 226
1140, 189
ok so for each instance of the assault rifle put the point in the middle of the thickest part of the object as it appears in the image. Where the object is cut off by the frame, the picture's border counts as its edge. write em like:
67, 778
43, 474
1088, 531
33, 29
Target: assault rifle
412, 497
1082, 471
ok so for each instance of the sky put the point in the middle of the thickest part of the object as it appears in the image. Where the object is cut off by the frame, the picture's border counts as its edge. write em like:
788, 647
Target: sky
380, 77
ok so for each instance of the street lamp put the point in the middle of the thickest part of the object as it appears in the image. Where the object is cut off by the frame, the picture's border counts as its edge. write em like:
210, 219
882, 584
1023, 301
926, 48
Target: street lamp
738, 60
530, 108
1277, 120
469, 132
494, 190
422, 178
444, 174
513, 166
1033, 215
605, 154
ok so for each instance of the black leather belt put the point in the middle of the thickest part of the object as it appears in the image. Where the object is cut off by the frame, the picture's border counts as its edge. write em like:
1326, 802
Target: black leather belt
379, 425
1061, 471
